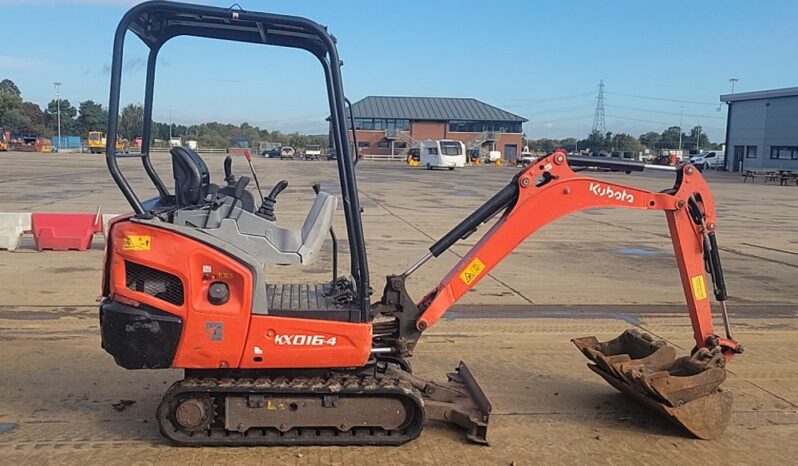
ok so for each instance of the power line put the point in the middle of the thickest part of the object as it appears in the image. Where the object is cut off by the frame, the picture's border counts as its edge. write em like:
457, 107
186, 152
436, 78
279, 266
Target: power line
667, 113
641, 120
555, 98
663, 99
598, 119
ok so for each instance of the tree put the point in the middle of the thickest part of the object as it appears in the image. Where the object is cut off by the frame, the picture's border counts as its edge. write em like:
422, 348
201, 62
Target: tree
7, 87
625, 142
131, 121
595, 142
68, 113
33, 120
697, 133
11, 114
10, 105
669, 139
93, 117
569, 144
649, 139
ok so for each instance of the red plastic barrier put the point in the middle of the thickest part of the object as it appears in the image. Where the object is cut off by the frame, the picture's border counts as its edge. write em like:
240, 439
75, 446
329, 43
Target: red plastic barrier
62, 232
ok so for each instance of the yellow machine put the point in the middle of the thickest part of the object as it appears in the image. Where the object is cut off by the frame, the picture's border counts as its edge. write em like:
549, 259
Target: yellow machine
5, 136
46, 146
96, 143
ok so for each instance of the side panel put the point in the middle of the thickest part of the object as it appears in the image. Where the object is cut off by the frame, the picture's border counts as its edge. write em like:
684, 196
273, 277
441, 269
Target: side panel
213, 336
283, 342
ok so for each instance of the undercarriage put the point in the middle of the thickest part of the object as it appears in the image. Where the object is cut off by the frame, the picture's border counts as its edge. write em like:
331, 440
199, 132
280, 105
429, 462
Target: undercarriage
380, 404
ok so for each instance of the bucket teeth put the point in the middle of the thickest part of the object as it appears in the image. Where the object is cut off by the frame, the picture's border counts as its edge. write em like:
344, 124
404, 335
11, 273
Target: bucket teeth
685, 388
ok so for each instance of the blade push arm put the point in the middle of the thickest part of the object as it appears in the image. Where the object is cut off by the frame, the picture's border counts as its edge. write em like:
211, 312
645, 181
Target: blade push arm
550, 189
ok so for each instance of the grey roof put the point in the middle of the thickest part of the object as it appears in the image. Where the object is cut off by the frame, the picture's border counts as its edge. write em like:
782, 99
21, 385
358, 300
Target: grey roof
431, 108
785, 92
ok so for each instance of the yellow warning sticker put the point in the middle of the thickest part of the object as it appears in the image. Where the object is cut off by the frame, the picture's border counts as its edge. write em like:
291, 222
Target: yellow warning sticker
472, 271
137, 243
699, 287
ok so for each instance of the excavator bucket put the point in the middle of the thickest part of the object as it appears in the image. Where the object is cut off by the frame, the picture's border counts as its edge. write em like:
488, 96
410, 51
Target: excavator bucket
686, 389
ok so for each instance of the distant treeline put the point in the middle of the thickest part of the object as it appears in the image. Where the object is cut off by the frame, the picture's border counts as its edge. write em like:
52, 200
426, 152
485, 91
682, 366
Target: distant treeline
608, 142
27, 118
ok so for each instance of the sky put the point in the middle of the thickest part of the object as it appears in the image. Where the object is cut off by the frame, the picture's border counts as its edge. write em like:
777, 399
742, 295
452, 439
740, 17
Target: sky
660, 61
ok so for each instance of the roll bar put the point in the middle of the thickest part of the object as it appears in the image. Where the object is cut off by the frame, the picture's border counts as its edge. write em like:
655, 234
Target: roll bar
156, 22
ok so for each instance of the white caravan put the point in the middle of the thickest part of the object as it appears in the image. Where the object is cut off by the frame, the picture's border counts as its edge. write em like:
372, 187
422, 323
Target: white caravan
443, 153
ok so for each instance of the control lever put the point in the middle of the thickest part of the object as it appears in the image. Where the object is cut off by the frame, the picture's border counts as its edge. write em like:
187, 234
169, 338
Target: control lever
228, 171
248, 156
241, 185
266, 209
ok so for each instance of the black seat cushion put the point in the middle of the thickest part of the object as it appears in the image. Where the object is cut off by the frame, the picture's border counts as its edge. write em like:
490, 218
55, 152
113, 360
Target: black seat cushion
191, 177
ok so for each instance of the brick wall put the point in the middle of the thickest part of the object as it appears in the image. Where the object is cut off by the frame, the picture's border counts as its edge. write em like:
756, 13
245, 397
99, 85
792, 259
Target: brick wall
422, 130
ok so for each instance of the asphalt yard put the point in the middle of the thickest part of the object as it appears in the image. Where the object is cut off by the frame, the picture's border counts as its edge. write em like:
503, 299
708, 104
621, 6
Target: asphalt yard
593, 273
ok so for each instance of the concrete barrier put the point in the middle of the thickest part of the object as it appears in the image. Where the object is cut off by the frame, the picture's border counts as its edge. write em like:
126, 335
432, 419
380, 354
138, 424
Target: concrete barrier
12, 226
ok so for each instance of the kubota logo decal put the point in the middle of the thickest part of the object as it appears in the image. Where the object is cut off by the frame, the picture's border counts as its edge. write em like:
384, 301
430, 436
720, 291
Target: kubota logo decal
607, 191
303, 340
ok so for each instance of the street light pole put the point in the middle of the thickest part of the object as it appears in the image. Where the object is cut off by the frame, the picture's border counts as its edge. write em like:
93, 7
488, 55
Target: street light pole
681, 119
57, 86
732, 81
698, 138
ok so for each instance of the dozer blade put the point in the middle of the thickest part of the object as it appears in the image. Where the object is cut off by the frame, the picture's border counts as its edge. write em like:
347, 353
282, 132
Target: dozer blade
686, 389
459, 400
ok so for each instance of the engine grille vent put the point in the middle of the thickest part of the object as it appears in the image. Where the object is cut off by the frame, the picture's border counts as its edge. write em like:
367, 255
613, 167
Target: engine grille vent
154, 282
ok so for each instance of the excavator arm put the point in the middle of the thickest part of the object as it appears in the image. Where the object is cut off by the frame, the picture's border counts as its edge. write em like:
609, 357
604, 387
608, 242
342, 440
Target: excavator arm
550, 189
686, 388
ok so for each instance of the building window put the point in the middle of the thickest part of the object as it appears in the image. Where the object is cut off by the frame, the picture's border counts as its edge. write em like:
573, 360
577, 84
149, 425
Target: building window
379, 124
784, 152
384, 144
464, 126
750, 152
362, 144
400, 145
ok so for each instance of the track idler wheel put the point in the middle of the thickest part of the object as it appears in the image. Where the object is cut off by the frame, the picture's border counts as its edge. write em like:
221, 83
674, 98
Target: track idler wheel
194, 414
687, 389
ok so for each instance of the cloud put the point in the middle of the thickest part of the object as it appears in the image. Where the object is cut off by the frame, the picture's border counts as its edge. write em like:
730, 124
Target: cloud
23, 63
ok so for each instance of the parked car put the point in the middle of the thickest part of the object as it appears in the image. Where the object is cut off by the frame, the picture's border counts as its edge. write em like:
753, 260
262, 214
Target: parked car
331, 155
272, 153
287, 152
709, 159
312, 152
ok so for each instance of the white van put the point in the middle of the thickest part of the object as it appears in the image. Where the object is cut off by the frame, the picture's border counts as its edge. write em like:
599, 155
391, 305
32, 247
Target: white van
709, 159
443, 153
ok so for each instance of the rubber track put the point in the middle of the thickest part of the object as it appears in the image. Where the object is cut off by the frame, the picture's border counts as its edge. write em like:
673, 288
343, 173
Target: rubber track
337, 384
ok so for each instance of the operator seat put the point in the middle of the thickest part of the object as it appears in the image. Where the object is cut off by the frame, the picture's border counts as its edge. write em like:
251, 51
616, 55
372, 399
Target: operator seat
192, 178
192, 181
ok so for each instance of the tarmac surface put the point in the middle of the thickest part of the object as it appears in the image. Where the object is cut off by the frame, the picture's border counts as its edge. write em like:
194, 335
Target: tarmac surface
593, 273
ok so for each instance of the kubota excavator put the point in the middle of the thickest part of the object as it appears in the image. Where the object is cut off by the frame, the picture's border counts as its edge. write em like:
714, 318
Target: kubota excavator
185, 284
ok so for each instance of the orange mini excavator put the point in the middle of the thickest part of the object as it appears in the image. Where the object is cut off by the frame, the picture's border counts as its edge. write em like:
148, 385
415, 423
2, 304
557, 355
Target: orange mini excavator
265, 363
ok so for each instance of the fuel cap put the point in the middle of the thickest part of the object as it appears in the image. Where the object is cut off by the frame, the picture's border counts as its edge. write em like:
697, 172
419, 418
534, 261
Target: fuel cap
218, 293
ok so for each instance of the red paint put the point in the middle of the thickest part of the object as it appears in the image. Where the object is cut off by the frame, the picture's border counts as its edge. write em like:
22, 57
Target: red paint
570, 192
62, 232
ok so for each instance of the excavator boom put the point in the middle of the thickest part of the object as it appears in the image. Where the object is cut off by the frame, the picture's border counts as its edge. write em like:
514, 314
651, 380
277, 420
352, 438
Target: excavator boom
634, 362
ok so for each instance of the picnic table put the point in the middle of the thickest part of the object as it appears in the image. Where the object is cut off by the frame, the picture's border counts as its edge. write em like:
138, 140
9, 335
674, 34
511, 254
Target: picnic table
787, 176
783, 177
